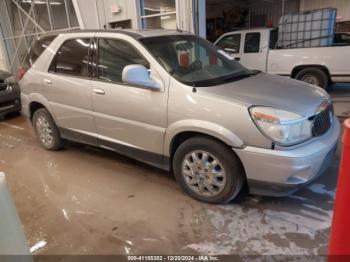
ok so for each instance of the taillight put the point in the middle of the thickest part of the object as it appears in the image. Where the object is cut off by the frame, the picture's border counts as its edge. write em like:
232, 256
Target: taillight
21, 72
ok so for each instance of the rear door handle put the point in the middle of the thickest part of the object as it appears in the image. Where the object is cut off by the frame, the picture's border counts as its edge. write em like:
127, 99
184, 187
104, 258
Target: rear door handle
238, 59
99, 91
47, 82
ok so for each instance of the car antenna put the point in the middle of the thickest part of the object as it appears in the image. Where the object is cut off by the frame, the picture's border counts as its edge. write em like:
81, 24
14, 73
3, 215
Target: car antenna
194, 89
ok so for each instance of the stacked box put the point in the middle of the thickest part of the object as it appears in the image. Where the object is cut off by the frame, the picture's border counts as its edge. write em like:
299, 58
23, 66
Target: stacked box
314, 28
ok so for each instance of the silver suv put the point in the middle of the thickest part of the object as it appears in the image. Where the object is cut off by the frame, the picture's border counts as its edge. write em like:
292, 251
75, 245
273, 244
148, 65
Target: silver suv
177, 102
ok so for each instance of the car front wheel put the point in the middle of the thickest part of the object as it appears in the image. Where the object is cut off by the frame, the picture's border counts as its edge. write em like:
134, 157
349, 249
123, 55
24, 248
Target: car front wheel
208, 170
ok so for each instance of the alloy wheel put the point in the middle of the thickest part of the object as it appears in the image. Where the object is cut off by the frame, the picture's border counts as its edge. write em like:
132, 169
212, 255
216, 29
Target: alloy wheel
203, 173
44, 131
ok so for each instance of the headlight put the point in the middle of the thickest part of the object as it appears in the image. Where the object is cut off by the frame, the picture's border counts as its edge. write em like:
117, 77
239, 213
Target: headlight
283, 127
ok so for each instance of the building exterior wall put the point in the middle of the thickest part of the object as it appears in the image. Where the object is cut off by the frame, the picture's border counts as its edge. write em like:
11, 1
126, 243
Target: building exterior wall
128, 11
102, 16
23, 21
87, 14
4, 64
3, 57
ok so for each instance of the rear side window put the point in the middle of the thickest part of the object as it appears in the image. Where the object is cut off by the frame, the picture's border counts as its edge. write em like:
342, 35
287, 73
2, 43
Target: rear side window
38, 47
273, 39
72, 58
230, 43
113, 56
252, 43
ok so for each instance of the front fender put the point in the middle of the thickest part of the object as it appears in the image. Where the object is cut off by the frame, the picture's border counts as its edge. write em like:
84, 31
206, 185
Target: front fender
200, 126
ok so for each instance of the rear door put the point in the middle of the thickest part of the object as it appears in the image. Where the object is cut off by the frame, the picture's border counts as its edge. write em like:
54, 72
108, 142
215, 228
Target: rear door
255, 49
68, 88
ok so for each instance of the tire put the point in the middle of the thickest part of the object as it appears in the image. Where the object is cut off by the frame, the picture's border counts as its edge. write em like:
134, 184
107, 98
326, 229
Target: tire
313, 76
46, 130
230, 176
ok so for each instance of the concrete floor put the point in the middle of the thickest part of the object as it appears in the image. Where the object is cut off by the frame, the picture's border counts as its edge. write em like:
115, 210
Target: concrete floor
84, 200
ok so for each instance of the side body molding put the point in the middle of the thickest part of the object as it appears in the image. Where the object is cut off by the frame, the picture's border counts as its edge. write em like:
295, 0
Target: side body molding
200, 126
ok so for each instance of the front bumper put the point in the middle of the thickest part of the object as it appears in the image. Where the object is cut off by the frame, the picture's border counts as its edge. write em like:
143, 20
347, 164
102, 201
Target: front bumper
10, 100
282, 172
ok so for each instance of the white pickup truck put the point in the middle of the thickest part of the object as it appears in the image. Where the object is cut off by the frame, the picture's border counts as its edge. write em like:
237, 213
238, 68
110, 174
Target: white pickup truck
255, 48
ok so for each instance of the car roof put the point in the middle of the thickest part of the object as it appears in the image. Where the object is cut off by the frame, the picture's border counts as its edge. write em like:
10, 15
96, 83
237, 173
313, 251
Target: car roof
137, 34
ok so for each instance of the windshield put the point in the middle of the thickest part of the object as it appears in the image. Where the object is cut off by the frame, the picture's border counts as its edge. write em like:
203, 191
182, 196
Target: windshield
194, 61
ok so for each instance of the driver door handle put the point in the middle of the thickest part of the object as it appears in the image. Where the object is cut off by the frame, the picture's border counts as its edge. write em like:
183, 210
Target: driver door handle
237, 58
99, 91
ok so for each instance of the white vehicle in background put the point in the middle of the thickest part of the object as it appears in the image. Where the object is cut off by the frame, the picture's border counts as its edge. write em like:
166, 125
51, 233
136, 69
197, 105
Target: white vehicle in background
255, 49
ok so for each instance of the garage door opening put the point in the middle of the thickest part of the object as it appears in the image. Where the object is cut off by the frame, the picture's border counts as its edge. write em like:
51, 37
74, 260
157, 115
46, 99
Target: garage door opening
229, 15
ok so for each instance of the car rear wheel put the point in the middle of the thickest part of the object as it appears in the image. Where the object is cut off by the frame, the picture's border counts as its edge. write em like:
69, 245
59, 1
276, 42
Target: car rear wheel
46, 130
208, 170
313, 76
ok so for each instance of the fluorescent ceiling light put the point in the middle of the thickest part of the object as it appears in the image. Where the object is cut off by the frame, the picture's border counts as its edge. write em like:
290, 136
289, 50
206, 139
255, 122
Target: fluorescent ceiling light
165, 17
40, 2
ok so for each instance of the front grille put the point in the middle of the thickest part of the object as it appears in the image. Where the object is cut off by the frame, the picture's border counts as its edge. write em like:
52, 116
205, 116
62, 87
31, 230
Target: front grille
323, 121
8, 104
3, 87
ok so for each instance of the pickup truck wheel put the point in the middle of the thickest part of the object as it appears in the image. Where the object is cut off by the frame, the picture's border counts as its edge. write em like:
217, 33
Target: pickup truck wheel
46, 130
208, 170
313, 76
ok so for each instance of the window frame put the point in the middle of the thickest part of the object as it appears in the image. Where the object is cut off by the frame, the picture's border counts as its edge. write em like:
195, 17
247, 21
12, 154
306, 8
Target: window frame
95, 59
90, 59
245, 42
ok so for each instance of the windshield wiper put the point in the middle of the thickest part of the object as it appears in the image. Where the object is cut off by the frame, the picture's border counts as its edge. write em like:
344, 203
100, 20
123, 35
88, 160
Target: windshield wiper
236, 77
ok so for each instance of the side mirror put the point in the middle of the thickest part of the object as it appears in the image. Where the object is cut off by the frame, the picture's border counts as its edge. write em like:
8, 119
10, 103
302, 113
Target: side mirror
139, 75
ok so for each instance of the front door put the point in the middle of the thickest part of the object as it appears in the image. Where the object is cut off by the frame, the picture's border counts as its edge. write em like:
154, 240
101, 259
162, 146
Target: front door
254, 51
129, 119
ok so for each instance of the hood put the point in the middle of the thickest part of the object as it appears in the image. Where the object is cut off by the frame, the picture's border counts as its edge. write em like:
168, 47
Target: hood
273, 91
4, 74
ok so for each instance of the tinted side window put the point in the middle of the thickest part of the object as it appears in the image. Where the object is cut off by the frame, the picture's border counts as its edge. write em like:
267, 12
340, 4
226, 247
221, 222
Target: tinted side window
72, 58
342, 38
39, 47
273, 39
231, 43
113, 56
252, 43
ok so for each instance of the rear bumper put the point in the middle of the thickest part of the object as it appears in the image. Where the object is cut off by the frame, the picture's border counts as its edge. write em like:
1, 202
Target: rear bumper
280, 173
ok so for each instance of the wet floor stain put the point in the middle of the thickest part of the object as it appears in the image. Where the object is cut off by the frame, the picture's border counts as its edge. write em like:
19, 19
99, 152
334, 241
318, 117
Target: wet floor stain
84, 200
